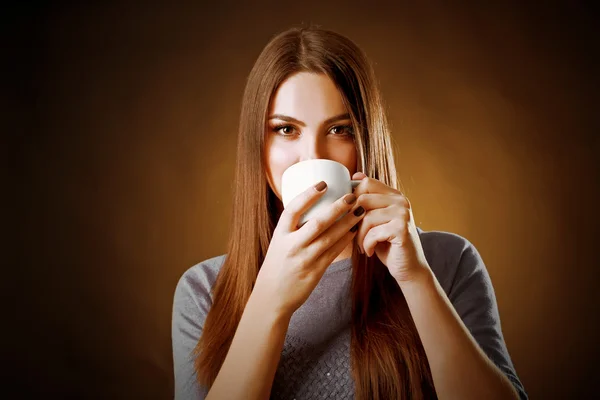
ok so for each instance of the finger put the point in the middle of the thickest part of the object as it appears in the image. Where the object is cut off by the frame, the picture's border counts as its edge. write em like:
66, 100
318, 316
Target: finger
321, 222
288, 221
394, 231
370, 185
358, 176
327, 257
372, 219
328, 238
372, 201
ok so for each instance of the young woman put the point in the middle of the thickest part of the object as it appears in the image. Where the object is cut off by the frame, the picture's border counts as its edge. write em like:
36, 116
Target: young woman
365, 306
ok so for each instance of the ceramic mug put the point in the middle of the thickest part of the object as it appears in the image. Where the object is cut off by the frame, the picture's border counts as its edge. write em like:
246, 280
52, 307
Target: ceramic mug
304, 174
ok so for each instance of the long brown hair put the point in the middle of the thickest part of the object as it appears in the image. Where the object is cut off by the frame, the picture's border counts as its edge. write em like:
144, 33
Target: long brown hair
388, 359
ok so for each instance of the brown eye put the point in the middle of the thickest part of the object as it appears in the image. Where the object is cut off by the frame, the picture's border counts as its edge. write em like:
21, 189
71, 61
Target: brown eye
342, 130
284, 130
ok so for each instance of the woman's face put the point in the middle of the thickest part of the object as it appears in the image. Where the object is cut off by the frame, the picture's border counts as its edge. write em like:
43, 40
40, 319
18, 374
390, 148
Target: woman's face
307, 119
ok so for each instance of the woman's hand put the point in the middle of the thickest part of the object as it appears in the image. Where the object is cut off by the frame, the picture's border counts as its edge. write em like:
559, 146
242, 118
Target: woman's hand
297, 258
388, 229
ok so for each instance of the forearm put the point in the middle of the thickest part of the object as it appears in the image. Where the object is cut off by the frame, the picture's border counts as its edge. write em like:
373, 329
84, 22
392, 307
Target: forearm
459, 367
250, 365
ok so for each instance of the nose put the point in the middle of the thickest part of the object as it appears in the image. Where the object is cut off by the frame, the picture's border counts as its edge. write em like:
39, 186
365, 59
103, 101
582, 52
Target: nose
313, 148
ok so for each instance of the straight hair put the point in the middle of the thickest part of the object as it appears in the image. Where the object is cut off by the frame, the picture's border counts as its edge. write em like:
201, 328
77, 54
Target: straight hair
388, 360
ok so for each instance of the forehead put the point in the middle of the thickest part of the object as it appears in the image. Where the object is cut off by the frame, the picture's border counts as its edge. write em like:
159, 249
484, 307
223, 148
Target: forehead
308, 97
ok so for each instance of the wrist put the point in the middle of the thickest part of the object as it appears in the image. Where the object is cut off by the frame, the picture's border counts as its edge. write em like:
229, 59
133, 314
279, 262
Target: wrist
263, 308
421, 277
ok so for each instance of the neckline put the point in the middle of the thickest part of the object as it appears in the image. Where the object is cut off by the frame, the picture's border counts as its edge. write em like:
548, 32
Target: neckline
339, 265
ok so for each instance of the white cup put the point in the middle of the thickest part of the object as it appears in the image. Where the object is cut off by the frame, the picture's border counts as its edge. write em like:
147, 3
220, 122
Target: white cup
304, 174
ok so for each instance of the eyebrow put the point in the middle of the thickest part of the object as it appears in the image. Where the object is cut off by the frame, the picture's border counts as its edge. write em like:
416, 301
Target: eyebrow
296, 121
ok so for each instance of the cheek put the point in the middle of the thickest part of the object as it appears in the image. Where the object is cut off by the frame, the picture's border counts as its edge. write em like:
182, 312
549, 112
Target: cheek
279, 158
346, 154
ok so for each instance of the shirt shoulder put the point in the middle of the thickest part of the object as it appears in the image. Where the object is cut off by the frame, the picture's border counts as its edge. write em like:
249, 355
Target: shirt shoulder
462, 273
193, 295
191, 304
199, 279
445, 252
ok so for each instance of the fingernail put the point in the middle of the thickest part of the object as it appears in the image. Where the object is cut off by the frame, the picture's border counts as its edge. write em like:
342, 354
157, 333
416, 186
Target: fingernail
359, 211
321, 186
350, 199
354, 228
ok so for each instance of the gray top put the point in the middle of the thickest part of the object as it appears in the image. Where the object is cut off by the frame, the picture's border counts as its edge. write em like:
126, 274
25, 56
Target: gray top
315, 361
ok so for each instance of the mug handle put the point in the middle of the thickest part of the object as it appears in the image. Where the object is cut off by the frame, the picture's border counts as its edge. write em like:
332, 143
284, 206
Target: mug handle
354, 183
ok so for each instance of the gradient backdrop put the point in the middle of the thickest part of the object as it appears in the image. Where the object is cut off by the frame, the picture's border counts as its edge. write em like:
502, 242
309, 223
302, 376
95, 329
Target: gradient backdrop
126, 119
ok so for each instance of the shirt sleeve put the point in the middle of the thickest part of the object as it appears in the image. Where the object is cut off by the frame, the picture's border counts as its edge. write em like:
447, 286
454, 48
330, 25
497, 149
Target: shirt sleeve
473, 297
190, 307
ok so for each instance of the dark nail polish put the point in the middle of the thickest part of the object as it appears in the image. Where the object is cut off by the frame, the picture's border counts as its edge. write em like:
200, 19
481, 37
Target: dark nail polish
321, 186
359, 211
350, 199
354, 228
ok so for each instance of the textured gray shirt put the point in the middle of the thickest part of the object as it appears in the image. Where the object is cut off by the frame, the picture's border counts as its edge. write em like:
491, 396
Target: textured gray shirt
315, 361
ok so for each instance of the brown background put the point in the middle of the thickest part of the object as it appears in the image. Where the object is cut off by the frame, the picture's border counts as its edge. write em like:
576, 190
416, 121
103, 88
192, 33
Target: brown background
124, 122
